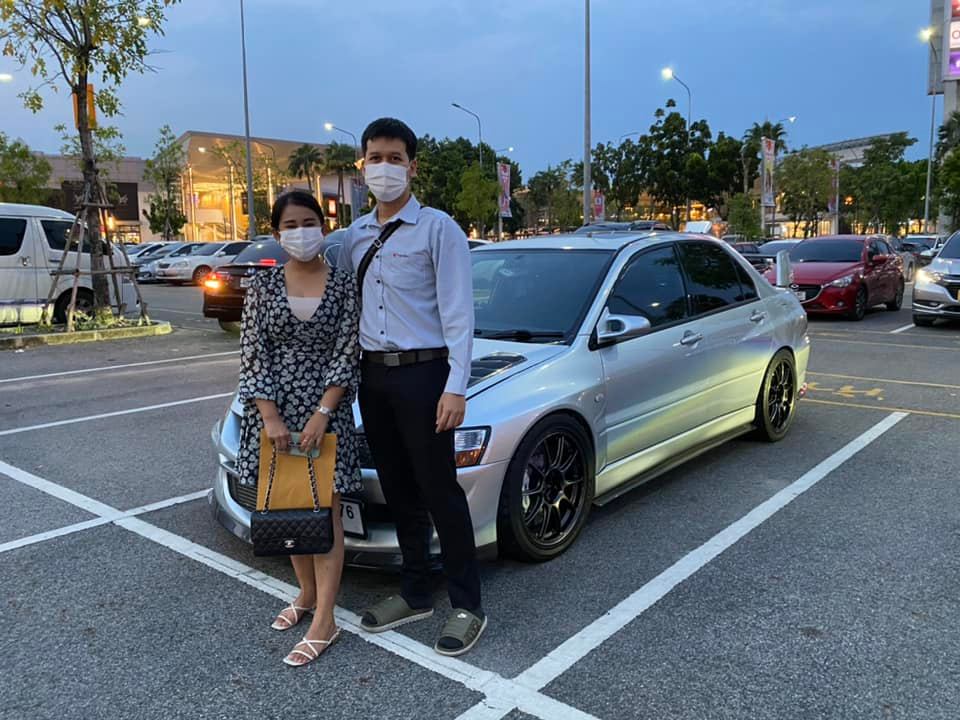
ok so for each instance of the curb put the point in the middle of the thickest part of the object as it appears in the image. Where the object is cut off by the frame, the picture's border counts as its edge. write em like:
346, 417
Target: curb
19, 342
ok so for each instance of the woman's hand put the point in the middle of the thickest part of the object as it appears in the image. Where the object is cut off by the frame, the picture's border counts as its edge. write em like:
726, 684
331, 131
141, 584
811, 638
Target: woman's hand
277, 432
311, 437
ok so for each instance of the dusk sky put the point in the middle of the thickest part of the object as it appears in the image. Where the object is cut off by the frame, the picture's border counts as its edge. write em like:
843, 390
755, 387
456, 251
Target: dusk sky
845, 68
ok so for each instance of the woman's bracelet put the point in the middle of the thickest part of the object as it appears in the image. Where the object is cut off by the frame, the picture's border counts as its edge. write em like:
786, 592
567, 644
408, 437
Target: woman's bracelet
324, 410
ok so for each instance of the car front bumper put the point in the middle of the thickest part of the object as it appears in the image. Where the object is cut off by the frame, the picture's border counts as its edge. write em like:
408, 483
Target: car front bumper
937, 300
832, 300
184, 273
379, 548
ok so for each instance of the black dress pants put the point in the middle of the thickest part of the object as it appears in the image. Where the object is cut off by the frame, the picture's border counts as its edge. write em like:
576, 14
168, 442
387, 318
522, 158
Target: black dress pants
418, 474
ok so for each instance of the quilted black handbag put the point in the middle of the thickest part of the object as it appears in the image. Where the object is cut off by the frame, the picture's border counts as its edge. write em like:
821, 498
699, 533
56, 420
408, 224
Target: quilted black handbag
292, 532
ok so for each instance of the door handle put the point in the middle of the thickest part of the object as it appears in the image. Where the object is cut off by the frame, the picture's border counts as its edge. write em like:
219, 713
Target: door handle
25, 262
690, 338
758, 316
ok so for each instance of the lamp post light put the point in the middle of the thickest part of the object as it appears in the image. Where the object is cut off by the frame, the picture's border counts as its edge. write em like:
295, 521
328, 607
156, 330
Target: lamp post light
330, 127
927, 35
6, 78
479, 148
251, 216
668, 74
587, 142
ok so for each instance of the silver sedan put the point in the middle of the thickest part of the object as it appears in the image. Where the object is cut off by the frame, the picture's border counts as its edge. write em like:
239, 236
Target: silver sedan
601, 361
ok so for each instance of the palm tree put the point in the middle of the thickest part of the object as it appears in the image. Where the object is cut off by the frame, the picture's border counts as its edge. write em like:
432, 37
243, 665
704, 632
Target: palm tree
948, 136
305, 161
339, 158
775, 131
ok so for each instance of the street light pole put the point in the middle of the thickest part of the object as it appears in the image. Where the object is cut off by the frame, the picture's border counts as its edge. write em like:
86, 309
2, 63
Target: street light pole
251, 216
479, 148
669, 74
587, 169
928, 34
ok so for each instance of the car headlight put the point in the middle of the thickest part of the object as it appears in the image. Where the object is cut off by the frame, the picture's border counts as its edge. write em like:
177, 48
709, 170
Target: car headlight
845, 281
469, 445
181, 263
925, 276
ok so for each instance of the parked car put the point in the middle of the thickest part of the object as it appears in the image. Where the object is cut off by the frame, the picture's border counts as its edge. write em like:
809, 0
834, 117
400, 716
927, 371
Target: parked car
631, 226
196, 265
919, 244
224, 289
32, 241
148, 263
937, 290
846, 275
599, 363
766, 253
138, 249
909, 258
926, 256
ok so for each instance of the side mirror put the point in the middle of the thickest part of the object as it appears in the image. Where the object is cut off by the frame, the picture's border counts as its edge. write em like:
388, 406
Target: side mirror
879, 259
784, 269
616, 328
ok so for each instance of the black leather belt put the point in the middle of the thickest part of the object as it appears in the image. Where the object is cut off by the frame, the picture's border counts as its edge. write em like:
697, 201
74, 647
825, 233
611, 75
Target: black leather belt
405, 357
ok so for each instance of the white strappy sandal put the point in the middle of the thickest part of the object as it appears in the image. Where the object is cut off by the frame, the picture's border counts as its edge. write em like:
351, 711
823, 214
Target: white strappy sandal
310, 653
282, 623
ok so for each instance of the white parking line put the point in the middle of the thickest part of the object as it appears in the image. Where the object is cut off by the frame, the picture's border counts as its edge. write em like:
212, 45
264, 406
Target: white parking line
178, 312
24, 378
573, 650
502, 694
903, 329
117, 413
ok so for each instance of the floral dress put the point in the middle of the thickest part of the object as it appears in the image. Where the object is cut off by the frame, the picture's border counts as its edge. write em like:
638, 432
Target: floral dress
292, 362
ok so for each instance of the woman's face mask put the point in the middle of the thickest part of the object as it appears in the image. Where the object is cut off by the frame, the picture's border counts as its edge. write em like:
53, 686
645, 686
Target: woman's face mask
302, 243
387, 181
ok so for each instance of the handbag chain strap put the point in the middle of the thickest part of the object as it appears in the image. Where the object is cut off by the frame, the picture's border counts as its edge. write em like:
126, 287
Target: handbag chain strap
273, 470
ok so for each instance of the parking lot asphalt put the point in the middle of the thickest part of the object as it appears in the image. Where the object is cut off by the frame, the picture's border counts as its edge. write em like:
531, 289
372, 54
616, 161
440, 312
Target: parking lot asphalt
817, 577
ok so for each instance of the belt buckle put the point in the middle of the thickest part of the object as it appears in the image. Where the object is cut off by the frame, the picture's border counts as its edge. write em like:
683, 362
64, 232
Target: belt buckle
391, 359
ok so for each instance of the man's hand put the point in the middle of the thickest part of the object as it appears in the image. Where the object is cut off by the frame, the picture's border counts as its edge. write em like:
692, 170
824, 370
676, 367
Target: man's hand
311, 437
450, 411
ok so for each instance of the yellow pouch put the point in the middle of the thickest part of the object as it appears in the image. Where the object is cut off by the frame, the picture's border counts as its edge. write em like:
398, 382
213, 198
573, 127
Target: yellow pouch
291, 476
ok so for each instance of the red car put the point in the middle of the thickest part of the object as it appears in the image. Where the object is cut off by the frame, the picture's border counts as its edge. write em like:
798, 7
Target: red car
845, 275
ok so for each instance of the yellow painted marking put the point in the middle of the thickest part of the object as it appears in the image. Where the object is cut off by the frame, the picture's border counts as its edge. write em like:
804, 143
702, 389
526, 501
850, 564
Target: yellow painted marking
885, 380
846, 391
930, 413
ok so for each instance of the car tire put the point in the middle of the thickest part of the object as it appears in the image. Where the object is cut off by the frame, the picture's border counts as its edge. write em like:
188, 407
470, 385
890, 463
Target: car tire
230, 326
860, 305
84, 304
200, 273
777, 401
923, 320
897, 302
559, 450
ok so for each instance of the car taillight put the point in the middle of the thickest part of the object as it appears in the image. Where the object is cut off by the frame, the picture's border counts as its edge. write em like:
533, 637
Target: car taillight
212, 282
268, 261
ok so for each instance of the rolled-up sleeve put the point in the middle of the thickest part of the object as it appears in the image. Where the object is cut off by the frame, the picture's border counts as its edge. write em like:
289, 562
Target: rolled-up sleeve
343, 369
256, 368
451, 256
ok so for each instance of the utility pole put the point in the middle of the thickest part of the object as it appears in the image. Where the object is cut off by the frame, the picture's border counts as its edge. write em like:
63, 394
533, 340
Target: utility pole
587, 170
251, 216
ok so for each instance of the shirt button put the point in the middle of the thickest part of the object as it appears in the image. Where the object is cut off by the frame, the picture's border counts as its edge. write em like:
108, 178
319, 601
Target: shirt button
381, 307
381, 332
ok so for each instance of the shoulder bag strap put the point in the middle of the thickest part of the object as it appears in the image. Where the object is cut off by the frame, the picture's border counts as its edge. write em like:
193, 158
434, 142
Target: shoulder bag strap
385, 234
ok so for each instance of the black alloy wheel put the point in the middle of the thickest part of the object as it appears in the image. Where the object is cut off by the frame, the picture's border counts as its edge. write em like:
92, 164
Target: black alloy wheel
777, 403
897, 302
859, 310
547, 491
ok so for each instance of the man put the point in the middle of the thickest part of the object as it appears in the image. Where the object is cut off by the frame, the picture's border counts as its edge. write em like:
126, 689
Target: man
416, 331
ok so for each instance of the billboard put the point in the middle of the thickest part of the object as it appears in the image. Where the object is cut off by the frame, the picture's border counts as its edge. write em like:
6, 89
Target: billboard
123, 196
769, 152
503, 173
952, 71
599, 206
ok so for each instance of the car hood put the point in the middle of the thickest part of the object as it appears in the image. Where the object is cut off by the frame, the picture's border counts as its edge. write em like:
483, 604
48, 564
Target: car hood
947, 266
818, 273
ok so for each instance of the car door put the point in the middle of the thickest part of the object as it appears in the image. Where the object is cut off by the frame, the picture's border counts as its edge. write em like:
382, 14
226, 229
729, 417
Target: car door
873, 275
894, 268
737, 333
648, 379
19, 295
55, 234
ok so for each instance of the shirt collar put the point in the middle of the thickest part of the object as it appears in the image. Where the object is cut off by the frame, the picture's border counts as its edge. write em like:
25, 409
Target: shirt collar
409, 213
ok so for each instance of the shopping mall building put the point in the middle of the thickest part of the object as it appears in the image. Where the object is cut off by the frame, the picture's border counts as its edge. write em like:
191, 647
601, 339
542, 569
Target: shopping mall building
212, 190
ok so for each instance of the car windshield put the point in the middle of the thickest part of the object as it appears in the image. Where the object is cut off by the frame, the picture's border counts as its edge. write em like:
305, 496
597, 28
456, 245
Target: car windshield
827, 251
951, 250
209, 249
259, 251
534, 295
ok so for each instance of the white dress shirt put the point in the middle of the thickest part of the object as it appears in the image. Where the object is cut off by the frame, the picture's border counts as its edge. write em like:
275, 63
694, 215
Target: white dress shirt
418, 291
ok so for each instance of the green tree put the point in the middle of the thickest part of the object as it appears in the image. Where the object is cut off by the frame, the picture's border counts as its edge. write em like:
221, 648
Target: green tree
744, 216
478, 195
164, 171
339, 159
884, 183
71, 44
234, 157
805, 179
23, 175
305, 162
668, 180
950, 184
750, 151
724, 170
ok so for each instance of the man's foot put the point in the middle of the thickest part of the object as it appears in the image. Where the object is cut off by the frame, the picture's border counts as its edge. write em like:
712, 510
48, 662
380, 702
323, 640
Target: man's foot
460, 633
390, 613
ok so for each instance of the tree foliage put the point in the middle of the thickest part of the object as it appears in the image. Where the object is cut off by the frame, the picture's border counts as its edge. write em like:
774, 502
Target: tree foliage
744, 216
805, 180
305, 162
23, 175
339, 159
164, 170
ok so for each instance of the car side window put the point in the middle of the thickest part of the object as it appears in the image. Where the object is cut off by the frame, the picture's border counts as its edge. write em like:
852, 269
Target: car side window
12, 232
57, 232
712, 277
234, 248
886, 249
748, 290
651, 287
872, 249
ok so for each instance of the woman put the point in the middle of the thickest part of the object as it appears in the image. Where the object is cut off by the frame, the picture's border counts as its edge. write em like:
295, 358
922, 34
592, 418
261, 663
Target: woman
299, 368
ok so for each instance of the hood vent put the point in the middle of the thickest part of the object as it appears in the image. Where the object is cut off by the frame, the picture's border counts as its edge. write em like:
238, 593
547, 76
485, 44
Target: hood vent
489, 365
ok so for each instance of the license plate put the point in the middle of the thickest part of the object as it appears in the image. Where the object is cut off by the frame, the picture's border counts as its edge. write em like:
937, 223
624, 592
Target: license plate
245, 282
351, 513
801, 295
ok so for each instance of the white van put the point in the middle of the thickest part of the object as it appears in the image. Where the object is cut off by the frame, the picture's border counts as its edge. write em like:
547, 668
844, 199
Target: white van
32, 240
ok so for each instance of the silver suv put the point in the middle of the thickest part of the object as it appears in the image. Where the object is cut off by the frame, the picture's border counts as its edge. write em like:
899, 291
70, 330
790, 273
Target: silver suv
936, 293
